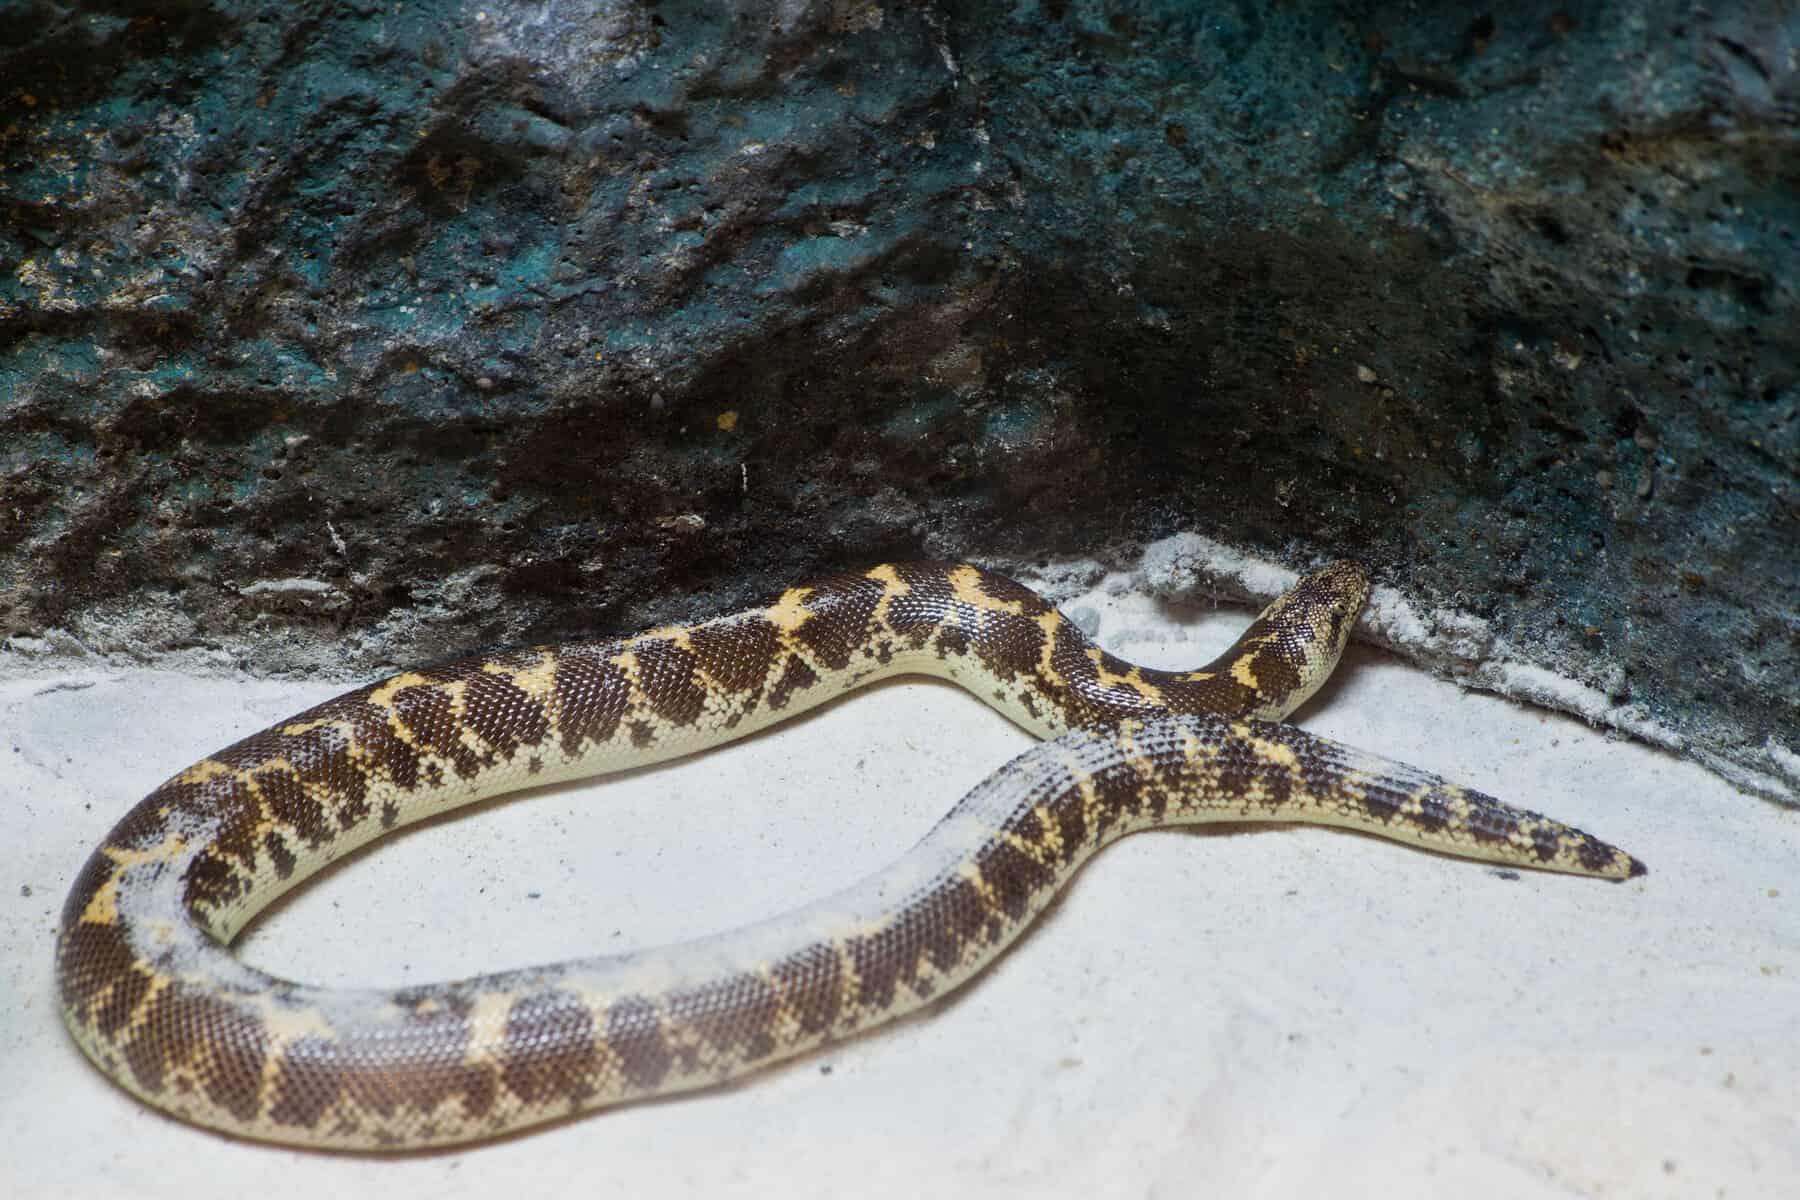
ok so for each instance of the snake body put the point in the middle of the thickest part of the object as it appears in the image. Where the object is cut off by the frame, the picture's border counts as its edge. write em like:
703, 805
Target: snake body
154, 997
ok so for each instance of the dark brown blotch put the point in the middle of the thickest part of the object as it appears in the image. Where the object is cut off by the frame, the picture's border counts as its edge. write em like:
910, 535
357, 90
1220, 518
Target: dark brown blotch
1010, 591
810, 985
924, 604
951, 642
731, 1015
350, 813
1434, 813
213, 881
1010, 646
1071, 821
1012, 876
1492, 826
843, 610
1598, 856
321, 758
759, 1047
91, 958
737, 656
288, 802
280, 853
744, 707
1029, 826
307, 1083
318, 763
381, 750
1277, 651
634, 1035
796, 676
220, 873
1380, 804
958, 916
1116, 786
1090, 700
548, 1036
876, 962
1203, 693
431, 720
222, 1045
591, 698
386, 1069
502, 714
1277, 786
1234, 777
438, 1025
666, 678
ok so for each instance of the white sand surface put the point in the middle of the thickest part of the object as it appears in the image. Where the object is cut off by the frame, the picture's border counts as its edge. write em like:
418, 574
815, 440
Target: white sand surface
1249, 1012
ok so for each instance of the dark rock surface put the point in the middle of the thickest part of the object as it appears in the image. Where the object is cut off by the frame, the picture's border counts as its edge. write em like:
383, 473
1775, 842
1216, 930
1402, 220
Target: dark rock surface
339, 336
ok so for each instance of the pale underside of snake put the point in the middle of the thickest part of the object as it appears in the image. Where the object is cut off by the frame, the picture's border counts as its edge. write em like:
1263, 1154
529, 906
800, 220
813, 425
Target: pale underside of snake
154, 997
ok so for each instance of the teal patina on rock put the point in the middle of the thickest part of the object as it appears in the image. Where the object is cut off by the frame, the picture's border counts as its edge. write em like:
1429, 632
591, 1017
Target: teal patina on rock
406, 329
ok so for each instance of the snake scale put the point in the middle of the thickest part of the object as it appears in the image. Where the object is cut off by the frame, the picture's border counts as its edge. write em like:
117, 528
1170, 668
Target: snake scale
154, 997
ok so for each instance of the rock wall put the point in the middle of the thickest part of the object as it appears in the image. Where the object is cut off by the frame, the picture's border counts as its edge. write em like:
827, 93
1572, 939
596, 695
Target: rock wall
335, 336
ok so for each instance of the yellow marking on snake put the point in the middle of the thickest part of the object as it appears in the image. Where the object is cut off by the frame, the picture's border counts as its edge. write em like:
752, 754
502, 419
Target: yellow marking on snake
789, 613
1244, 671
204, 771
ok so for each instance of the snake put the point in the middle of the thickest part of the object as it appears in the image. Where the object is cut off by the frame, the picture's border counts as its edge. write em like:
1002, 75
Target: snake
149, 989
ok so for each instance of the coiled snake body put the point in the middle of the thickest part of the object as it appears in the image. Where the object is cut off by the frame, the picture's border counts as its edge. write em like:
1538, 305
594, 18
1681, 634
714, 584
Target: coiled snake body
153, 996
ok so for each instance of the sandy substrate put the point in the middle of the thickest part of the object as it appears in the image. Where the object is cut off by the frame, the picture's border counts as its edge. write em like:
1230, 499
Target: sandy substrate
1269, 1013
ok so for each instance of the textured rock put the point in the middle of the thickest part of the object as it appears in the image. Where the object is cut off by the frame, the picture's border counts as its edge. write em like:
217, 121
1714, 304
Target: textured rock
335, 339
